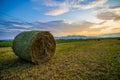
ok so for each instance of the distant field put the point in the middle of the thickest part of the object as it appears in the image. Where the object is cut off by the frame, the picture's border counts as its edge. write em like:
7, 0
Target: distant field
9, 43
74, 60
5, 43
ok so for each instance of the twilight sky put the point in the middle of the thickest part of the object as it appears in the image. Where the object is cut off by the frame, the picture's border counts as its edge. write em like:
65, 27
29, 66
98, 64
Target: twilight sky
60, 17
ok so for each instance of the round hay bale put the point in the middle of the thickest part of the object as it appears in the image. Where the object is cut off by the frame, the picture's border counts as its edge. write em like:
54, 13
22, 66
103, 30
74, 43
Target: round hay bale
35, 46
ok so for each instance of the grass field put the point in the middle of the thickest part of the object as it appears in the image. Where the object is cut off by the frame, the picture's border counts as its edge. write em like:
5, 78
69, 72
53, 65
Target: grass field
73, 60
5, 43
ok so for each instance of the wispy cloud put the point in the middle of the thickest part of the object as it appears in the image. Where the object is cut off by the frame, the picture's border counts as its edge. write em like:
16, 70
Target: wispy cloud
65, 27
61, 7
57, 11
110, 24
108, 16
11, 26
111, 19
104, 8
21, 26
116, 8
58, 28
93, 4
107, 8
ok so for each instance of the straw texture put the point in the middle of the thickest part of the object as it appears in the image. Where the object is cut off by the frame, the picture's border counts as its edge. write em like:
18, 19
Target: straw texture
35, 46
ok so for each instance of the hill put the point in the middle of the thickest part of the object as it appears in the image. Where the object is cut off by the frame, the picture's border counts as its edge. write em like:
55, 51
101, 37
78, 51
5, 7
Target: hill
113, 35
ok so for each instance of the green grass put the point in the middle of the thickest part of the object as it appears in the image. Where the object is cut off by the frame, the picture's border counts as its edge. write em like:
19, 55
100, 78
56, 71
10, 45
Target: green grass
72, 40
5, 43
73, 60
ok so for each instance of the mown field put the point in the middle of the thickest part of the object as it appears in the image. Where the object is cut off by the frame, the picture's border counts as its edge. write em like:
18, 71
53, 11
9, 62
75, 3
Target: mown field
73, 60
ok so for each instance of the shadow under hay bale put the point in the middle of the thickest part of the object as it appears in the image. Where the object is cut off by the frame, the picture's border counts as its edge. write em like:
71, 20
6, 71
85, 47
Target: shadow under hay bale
35, 46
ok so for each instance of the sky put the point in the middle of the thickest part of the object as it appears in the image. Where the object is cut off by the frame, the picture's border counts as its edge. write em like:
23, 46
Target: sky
60, 17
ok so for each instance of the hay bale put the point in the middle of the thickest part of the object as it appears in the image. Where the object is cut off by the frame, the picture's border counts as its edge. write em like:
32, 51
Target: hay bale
35, 46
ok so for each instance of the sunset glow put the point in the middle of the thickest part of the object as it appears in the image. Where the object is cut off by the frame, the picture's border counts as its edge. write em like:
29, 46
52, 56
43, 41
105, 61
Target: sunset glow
60, 17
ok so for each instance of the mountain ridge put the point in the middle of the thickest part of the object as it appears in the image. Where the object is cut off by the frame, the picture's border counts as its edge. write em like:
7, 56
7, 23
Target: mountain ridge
112, 35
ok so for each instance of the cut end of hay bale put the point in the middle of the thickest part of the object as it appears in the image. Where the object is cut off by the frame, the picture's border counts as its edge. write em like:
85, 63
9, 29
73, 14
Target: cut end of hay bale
42, 47
35, 46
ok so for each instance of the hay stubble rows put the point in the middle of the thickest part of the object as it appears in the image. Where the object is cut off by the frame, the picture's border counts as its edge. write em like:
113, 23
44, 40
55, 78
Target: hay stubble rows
78, 60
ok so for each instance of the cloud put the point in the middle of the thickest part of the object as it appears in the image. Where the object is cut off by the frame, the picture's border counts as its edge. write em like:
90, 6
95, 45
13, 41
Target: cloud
57, 12
65, 27
11, 26
117, 18
13, 23
104, 8
21, 26
51, 3
75, 3
107, 13
61, 7
108, 16
93, 4
116, 8
58, 28
108, 26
